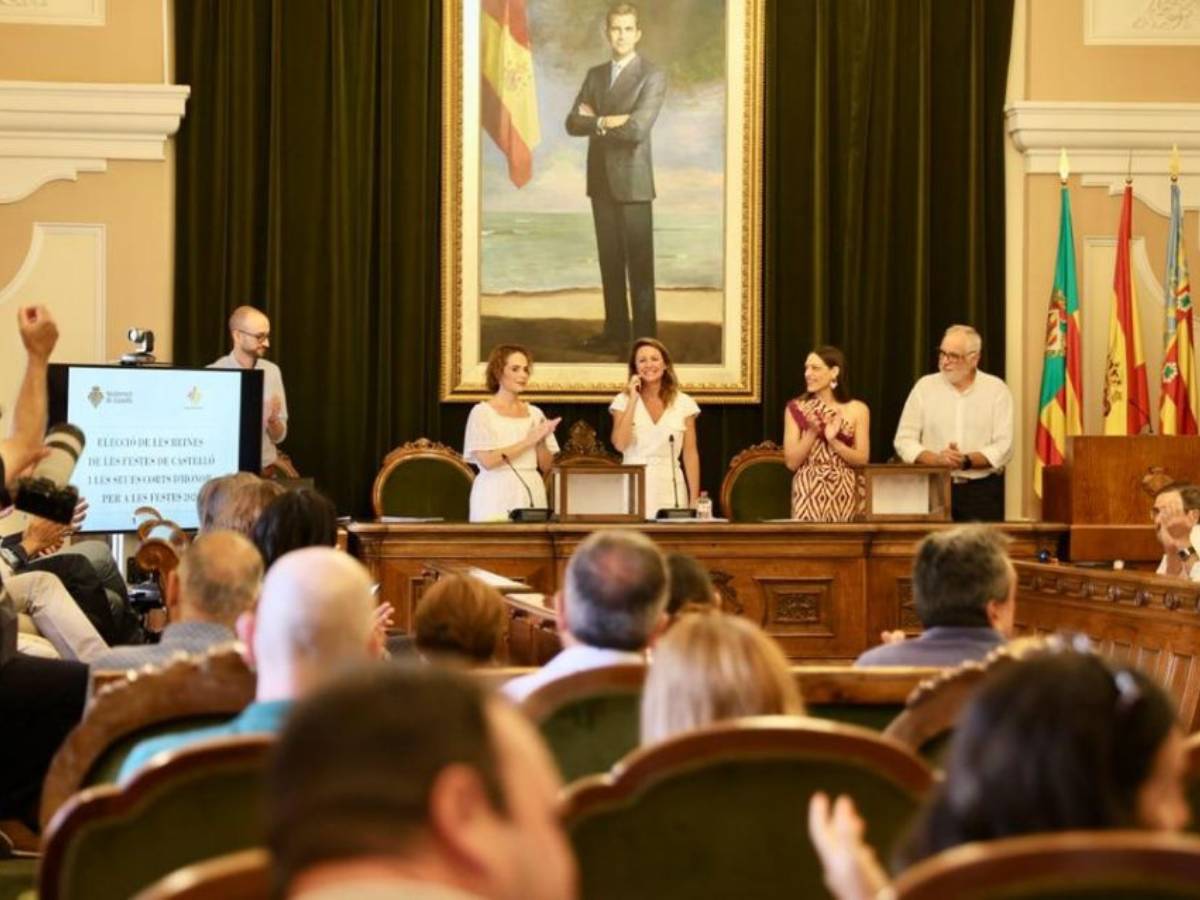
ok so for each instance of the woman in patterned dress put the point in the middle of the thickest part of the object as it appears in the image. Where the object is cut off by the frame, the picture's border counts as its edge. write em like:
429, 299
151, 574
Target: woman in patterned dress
825, 435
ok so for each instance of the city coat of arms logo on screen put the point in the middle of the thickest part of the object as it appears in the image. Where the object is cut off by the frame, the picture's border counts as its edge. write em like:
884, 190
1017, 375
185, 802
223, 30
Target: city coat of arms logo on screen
601, 182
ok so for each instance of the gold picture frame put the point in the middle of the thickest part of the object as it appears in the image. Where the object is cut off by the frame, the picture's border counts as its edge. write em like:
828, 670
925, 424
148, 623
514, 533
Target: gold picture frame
493, 292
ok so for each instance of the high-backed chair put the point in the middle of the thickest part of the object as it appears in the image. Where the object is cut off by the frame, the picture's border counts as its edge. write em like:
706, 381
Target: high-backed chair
425, 479
871, 696
189, 693
591, 718
1105, 865
724, 810
757, 485
245, 875
192, 804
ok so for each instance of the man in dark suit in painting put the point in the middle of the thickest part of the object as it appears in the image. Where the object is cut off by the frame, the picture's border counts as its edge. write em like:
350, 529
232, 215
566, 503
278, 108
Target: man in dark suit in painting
615, 111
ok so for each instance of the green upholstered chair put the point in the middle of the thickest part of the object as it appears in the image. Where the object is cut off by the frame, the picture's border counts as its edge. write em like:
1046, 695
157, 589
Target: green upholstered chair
722, 812
1113, 865
189, 693
757, 485
424, 479
870, 697
192, 804
245, 875
590, 719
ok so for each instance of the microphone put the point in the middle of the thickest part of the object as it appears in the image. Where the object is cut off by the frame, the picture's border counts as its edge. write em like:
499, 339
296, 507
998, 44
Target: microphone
528, 513
46, 492
676, 511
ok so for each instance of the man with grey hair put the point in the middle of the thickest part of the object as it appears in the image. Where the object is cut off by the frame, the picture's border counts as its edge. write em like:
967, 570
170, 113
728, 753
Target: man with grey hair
965, 589
217, 580
613, 601
316, 618
961, 418
250, 331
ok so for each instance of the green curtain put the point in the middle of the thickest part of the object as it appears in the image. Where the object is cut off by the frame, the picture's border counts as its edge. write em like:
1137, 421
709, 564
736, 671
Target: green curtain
308, 168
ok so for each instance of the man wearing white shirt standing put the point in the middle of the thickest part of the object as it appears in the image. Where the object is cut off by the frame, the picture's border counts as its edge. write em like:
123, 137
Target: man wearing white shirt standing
961, 418
251, 334
1176, 516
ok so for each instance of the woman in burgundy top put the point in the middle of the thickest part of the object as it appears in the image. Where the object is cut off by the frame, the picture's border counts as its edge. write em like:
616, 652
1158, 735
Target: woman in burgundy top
825, 436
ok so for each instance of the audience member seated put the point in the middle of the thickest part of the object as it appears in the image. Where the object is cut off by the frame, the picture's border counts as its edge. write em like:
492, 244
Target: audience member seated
710, 667
1176, 514
460, 619
41, 700
689, 584
1059, 741
413, 782
315, 617
234, 502
298, 518
965, 589
613, 601
217, 581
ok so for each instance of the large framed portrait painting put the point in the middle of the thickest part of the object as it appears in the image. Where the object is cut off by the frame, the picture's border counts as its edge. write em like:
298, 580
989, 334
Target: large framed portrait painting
601, 183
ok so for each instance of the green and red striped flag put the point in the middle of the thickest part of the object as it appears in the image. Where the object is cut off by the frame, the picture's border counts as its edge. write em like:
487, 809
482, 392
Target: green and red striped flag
1060, 409
1126, 392
1177, 403
508, 97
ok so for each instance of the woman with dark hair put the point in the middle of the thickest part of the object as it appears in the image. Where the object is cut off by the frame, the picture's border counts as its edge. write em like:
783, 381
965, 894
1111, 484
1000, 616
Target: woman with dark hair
825, 435
654, 425
298, 518
1059, 741
506, 436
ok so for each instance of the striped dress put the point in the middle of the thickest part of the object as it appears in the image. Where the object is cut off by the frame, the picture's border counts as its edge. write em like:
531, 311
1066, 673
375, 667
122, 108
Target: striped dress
824, 488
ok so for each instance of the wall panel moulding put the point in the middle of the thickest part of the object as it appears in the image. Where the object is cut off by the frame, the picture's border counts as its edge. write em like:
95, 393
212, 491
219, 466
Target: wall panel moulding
54, 130
1105, 141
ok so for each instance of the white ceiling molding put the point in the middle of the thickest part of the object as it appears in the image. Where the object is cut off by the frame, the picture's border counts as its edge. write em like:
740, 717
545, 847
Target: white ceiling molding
53, 130
1104, 141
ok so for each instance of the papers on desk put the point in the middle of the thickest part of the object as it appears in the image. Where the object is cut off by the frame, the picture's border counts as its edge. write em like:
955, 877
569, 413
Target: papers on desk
688, 521
530, 599
502, 583
401, 520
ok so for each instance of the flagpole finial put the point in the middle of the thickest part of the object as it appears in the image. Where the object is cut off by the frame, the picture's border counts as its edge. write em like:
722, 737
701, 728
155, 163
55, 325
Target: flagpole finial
1064, 166
1129, 171
1174, 166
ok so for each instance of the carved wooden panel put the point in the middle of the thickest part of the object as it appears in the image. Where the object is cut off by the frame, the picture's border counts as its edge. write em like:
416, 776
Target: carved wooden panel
797, 606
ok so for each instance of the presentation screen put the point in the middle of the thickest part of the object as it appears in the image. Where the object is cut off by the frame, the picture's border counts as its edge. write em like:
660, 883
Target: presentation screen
155, 435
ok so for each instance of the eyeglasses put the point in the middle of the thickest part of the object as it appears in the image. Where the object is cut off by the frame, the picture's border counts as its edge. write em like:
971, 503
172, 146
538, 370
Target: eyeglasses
954, 357
262, 336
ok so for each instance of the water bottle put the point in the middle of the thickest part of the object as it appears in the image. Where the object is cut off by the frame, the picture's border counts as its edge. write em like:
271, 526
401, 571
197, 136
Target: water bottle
703, 506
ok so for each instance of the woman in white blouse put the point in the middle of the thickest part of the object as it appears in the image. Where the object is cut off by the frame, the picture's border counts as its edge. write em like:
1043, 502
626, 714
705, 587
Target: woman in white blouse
507, 436
654, 424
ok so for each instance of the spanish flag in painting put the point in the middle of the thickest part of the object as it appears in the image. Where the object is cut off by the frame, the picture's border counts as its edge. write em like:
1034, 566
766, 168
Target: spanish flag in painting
1060, 409
1126, 392
1177, 403
507, 93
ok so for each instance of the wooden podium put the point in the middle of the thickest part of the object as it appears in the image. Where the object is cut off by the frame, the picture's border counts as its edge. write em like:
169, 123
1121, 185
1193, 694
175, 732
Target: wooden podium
896, 492
1104, 491
598, 493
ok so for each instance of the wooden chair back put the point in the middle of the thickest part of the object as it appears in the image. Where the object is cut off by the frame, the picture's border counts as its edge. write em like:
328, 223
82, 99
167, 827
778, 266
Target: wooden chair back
245, 875
189, 692
724, 809
283, 468
871, 697
426, 479
1105, 865
108, 842
1192, 778
757, 485
591, 718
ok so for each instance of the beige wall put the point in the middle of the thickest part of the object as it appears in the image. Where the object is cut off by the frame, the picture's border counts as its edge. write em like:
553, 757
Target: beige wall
1059, 66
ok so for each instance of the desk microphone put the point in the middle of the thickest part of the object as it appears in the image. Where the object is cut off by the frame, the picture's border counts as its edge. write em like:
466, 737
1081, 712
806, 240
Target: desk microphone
676, 511
528, 513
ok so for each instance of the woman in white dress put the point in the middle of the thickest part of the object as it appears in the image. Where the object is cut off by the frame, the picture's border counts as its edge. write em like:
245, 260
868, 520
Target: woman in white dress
505, 430
654, 424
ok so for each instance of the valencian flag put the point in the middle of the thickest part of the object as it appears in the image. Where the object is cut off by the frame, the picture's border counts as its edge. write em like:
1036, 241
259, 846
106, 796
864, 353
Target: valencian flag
1126, 395
507, 94
1061, 404
1177, 403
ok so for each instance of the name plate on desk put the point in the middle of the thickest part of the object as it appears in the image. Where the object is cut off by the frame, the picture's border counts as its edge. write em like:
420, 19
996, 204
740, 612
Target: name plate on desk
911, 493
598, 493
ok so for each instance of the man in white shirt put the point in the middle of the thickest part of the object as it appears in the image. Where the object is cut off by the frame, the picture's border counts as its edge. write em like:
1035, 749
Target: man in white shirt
961, 418
251, 334
1176, 514
613, 602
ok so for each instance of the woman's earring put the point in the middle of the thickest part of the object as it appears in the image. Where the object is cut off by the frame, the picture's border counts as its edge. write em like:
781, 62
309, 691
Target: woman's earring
833, 384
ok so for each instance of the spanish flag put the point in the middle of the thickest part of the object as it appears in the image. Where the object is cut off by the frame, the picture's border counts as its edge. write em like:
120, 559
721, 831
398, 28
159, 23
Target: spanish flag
507, 92
1177, 403
1061, 405
1126, 395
